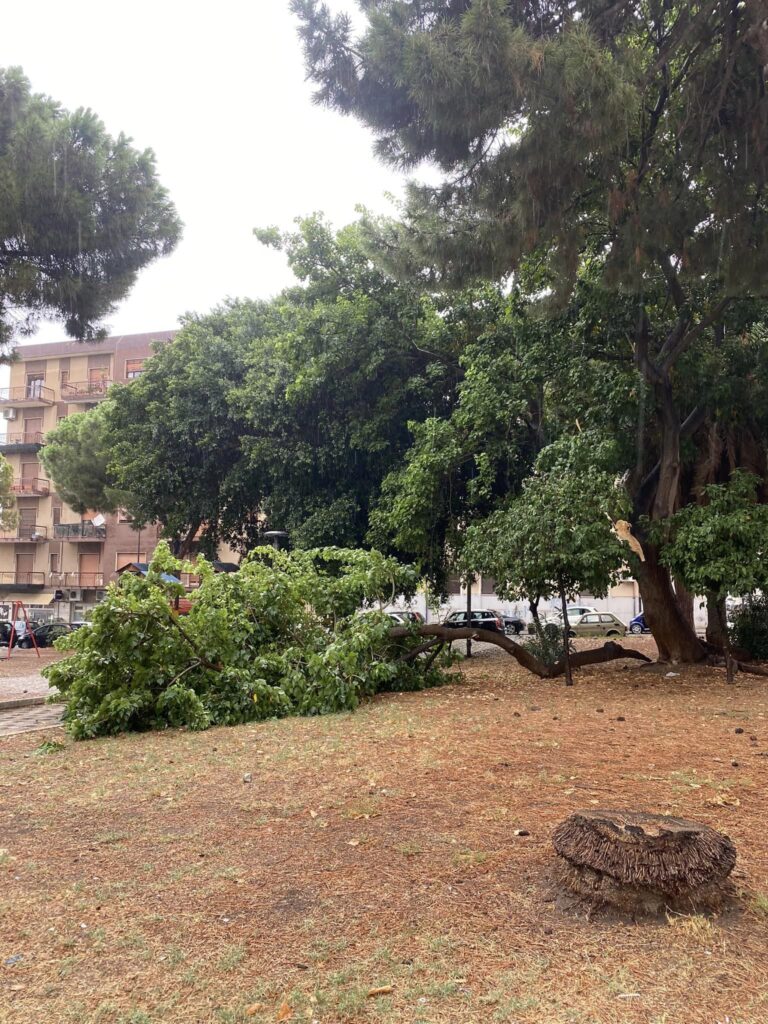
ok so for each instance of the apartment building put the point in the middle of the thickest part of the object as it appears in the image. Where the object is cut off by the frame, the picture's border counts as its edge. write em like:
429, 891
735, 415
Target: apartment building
57, 561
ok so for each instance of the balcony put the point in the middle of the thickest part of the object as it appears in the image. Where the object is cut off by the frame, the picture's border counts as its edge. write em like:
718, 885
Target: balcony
85, 390
27, 533
34, 487
23, 581
80, 532
12, 444
28, 396
83, 580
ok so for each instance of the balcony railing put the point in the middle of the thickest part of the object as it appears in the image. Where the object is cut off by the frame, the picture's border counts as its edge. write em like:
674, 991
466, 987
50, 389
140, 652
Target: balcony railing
27, 532
27, 395
83, 580
79, 531
22, 580
84, 390
33, 485
28, 441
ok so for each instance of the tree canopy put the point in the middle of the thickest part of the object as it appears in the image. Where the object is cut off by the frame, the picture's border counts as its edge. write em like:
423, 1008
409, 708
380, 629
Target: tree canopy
81, 214
308, 400
612, 156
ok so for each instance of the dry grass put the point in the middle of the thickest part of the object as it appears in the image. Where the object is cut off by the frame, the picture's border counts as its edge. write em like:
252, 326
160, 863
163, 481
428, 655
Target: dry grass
144, 881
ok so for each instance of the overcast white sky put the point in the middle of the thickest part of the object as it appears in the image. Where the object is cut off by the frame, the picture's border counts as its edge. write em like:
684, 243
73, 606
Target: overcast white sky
217, 90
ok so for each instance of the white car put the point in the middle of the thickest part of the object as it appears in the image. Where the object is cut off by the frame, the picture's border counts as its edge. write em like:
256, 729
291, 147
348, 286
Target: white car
555, 617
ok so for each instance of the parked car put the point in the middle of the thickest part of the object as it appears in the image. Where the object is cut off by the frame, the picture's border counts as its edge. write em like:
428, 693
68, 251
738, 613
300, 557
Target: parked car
555, 617
5, 633
638, 624
480, 620
406, 617
513, 624
45, 635
597, 624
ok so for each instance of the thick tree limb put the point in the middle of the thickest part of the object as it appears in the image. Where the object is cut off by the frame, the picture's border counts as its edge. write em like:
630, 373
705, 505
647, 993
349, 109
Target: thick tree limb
610, 651
752, 670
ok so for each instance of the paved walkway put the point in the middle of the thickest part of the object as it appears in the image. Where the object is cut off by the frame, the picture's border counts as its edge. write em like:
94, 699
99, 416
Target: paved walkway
30, 685
29, 719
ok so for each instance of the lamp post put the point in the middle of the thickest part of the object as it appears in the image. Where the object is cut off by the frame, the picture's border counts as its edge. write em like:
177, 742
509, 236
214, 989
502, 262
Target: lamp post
275, 536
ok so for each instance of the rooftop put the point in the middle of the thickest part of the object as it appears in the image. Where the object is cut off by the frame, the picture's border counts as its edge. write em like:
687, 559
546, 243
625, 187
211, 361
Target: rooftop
70, 347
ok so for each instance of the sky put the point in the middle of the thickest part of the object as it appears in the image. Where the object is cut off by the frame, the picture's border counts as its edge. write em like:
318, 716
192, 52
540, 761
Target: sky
218, 92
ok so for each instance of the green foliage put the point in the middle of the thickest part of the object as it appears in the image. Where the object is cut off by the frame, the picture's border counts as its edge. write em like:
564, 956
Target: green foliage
640, 129
721, 547
281, 636
76, 457
307, 405
8, 514
548, 647
557, 533
749, 628
80, 214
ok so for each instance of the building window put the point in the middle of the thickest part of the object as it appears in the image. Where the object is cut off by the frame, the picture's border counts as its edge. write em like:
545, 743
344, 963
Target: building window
56, 515
133, 368
35, 383
126, 557
123, 517
64, 377
54, 562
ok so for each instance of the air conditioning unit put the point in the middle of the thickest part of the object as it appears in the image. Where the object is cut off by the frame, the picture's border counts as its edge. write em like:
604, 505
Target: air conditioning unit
75, 595
35, 535
100, 595
9, 414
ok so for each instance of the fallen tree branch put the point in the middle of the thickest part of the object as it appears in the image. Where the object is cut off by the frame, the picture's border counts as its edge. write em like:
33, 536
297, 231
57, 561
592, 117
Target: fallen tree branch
751, 670
414, 652
610, 651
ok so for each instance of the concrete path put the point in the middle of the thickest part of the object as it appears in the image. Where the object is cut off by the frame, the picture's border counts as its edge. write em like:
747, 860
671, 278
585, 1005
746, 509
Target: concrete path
23, 707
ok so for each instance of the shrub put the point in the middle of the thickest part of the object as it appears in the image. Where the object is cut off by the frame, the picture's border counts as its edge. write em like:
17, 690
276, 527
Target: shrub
750, 627
281, 636
548, 646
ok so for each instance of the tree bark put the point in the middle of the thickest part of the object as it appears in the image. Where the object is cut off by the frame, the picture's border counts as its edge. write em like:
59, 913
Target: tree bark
566, 637
727, 645
675, 638
685, 602
469, 614
608, 652
715, 617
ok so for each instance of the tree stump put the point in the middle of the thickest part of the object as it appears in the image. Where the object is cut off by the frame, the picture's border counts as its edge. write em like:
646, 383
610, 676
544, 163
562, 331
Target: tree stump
642, 862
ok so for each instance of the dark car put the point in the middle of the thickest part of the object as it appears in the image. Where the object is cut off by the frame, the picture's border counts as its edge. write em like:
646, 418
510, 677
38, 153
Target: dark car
480, 620
638, 624
45, 635
5, 633
513, 624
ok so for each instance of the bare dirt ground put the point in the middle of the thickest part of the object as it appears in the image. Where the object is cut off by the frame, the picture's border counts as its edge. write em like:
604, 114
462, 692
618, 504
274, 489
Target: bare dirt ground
286, 871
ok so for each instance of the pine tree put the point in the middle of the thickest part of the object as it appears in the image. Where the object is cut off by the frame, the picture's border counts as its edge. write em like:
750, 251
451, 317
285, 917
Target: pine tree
634, 131
80, 214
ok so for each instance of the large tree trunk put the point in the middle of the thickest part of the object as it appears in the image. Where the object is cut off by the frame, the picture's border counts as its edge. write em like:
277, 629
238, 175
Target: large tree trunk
675, 638
685, 602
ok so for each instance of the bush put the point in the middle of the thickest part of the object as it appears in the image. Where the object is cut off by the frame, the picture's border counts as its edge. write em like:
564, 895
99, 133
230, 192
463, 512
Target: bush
548, 647
281, 636
749, 629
